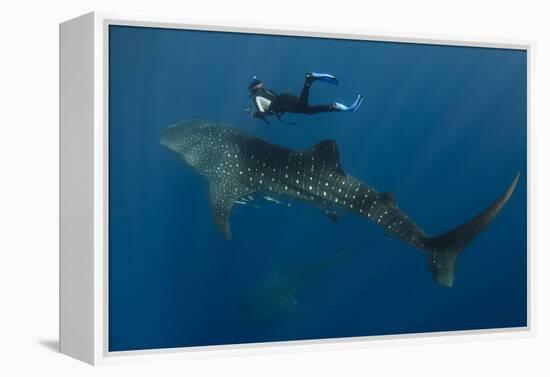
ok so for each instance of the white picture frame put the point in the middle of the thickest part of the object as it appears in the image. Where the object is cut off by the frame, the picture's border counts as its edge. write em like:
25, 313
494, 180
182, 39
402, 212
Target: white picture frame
84, 188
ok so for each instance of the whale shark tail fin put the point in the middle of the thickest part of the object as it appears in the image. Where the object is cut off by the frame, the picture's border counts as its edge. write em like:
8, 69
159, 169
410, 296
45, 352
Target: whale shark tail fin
442, 251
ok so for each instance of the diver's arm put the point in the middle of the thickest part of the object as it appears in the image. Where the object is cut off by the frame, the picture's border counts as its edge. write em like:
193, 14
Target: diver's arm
261, 115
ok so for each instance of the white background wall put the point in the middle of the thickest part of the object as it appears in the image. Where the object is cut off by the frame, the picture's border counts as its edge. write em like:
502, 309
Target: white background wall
29, 184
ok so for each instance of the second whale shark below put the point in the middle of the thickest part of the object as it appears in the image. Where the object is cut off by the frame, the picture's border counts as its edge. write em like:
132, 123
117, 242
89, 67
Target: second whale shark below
238, 164
279, 295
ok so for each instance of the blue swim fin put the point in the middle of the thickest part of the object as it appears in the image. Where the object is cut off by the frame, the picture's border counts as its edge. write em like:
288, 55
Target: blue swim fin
353, 107
313, 76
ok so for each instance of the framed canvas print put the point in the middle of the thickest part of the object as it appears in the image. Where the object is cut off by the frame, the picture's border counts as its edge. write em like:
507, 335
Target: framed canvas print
227, 187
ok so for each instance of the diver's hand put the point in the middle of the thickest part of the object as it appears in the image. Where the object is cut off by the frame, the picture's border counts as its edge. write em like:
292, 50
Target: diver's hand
260, 115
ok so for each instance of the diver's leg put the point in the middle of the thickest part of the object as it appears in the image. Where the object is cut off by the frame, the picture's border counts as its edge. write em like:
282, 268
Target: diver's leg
304, 96
318, 109
335, 106
310, 78
286, 102
303, 104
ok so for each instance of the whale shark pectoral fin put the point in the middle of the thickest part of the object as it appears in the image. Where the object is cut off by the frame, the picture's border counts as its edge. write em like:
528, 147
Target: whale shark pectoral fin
223, 194
333, 216
326, 152
221, 210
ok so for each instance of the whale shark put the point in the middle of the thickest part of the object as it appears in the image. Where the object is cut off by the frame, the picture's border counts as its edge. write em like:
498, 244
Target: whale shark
279, 295
238, 164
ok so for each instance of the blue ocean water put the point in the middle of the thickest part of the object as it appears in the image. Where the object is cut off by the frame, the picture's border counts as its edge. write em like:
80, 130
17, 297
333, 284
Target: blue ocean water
442, 128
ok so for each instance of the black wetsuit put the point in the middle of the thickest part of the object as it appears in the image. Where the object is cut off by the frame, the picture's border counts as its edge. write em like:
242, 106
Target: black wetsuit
267, 102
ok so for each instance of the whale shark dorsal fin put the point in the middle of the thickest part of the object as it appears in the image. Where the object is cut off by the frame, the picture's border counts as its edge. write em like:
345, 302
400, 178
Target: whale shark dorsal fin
223, 194
388, 198
326, 152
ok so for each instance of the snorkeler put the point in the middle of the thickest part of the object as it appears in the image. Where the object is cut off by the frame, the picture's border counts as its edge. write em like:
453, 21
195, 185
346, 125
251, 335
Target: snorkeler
267, 102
